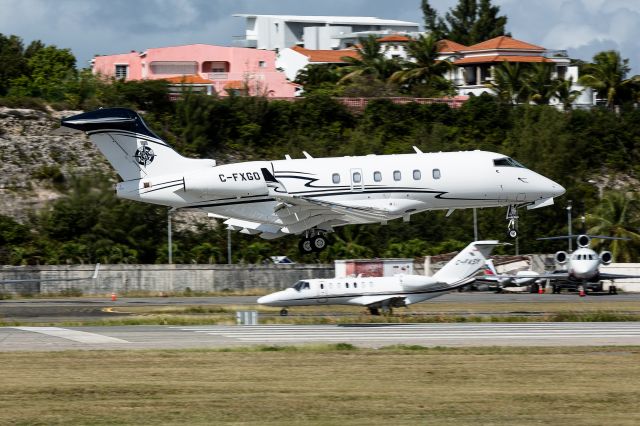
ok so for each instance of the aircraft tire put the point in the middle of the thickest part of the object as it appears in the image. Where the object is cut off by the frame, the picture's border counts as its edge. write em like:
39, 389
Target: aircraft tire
318, 243
305, 246
512, 233
284, 312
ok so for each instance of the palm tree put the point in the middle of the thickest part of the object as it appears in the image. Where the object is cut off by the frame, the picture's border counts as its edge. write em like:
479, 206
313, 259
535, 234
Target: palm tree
607, 75
539, 83
370, 62
618, 215
425, 69
564, 94
508, 82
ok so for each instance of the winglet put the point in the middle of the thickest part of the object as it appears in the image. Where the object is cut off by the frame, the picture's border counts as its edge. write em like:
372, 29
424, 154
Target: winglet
268, 177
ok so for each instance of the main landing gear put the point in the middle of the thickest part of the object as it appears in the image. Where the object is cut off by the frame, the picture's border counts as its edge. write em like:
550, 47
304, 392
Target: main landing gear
512, 218
313, 241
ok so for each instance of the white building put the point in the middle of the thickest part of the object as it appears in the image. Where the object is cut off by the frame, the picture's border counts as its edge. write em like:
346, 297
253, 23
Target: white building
276, 32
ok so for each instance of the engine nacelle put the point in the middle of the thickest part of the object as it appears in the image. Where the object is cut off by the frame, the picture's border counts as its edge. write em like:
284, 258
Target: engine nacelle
606, 257
415, 282
238, 180
561, 257
583, 241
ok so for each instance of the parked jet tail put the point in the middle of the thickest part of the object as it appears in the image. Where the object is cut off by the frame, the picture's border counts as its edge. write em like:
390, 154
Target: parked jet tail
130, 146
466, 263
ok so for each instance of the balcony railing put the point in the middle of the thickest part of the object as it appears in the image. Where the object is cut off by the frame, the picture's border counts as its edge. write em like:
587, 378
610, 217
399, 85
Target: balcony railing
218, 76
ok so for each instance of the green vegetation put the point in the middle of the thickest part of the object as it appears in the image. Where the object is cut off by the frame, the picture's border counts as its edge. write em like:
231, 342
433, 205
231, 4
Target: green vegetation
587, 151
323, 385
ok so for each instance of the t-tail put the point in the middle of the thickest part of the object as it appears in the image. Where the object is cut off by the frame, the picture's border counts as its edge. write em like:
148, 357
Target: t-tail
133, 150
464, 266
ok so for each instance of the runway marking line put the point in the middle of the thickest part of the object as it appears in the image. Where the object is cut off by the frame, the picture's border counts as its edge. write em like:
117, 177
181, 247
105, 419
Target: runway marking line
74, 335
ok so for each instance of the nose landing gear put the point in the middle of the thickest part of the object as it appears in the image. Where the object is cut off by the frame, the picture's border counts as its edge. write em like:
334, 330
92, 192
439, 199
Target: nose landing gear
512, 218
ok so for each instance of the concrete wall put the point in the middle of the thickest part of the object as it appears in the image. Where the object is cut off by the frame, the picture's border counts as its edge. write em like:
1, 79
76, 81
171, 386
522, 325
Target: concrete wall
157, 278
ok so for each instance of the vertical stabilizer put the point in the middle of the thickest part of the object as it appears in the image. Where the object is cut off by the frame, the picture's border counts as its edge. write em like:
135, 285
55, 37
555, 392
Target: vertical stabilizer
466, 263
130, 146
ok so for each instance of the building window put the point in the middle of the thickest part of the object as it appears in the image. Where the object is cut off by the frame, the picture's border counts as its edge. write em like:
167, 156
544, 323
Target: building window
377, 176
346, 285
174, 67
355, 285
397, 175
436, 173
262, 64
357, 177
417, 175
335, 178
122, 71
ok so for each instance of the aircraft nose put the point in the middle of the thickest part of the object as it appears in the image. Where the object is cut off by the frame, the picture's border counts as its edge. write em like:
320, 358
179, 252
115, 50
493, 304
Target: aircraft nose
265, 300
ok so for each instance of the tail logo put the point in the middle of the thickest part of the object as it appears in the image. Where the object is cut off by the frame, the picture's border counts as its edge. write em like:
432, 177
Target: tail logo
144, 155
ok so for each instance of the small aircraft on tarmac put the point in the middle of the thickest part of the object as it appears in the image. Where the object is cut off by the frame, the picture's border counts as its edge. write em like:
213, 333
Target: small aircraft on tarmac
582, 267
519, 279
385, 293
310, 196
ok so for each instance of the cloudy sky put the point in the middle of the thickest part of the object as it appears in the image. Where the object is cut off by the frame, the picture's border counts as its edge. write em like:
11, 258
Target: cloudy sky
90, 27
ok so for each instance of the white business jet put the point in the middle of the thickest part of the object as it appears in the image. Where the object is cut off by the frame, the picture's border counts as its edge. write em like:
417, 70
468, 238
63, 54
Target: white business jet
582, 267
385, 292
310, 196
502, 281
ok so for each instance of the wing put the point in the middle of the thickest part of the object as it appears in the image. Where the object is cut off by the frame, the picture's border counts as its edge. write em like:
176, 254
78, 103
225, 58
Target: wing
376, 301
605, 276
295, 214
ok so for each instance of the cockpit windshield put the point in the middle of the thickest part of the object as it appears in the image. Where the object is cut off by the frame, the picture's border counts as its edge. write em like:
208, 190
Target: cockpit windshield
300, 285
507, 162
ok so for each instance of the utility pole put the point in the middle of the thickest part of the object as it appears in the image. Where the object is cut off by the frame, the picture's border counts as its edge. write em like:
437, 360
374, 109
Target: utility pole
169, 239
569, 222
229, 246
475, 225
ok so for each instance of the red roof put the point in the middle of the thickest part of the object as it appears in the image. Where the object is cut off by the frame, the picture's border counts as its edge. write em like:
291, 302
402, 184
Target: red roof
235, 84
500, 58
504, 42
448, 46
188, 79
326, 56
393, 38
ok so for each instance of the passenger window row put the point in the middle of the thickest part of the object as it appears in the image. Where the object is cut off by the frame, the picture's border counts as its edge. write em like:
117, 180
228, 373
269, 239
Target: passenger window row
356, 177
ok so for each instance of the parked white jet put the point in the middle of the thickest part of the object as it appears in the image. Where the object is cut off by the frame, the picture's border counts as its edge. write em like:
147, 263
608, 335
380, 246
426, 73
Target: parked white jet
582, 267
385, 292
309, 196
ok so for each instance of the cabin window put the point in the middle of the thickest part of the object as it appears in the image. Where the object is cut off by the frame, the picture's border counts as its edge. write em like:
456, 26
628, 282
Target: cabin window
507, 162
335, 177
355, 285
301, 285
346, 285
357, 177
417, 175
321, 286
397, 175
377, 176
436, 173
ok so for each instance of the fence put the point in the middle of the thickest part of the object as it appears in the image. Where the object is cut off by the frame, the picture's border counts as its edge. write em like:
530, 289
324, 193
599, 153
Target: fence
156, 278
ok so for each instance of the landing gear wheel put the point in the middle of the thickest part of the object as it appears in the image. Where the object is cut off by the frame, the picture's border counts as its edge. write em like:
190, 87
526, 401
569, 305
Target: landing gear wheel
284, 312
305, 246
512, 233
386, 310
374, 311
318, 243
613, 289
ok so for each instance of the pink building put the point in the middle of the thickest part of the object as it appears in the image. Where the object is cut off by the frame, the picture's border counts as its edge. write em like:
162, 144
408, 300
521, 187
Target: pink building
202, 67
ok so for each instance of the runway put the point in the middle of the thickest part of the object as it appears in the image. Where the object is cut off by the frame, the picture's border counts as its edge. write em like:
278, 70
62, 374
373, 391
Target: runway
79, 308
362, 335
